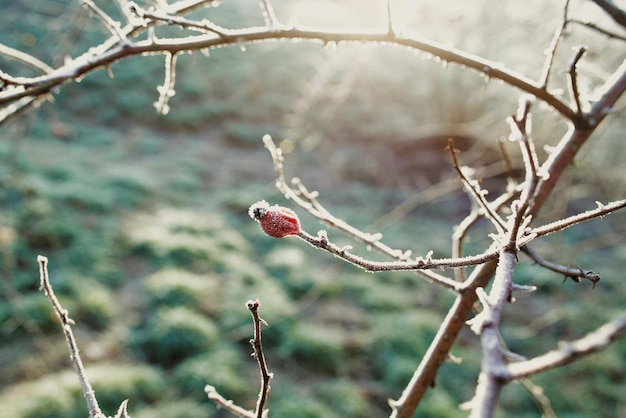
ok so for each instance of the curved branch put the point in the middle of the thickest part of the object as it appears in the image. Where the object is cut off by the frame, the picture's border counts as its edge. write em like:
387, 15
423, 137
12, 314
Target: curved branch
112, 51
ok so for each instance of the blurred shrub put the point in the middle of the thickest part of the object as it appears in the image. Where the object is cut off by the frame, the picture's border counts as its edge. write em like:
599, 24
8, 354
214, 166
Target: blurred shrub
247, 134
183, 408
174, 287
315, 346
184, 237
344, 398
59, 395
96, 305
399, 340
220, 368
173, 335
33, 307
301, 406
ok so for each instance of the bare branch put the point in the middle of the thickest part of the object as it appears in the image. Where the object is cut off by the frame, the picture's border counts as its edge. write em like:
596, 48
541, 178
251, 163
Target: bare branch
25, 58
568, 352
266, 376
322, 242
569, 272
617, 14
551, 51
561, 224
111, 25
474, 189
598, 29
111, 51
308, 201
204, 25
268, 14
166, 91
214, 396
389, 18
573, 78
253, 307
66, 325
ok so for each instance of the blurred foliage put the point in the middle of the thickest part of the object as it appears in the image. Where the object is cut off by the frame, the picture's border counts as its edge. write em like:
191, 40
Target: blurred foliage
143, 218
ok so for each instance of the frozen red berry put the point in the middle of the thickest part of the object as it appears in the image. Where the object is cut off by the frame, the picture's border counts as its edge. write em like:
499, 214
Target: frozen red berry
276, 221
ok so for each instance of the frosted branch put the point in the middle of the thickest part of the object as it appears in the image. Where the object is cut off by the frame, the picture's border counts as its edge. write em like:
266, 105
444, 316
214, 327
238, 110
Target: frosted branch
66, 325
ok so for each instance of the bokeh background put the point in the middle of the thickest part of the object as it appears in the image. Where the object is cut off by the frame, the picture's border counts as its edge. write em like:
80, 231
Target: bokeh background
144, 216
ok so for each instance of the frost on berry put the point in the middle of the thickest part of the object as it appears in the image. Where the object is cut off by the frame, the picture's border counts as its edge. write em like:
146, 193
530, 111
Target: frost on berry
276, 221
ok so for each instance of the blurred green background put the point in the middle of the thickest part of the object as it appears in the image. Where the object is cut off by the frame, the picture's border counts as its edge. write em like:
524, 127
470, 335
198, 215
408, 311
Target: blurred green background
144, 217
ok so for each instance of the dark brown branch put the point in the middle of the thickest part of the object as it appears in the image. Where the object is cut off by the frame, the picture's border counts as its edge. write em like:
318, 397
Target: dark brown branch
569, 272
573, 79
322, 242
253, 307
66, 325
598, 29
554, 45
617, 14
477, 193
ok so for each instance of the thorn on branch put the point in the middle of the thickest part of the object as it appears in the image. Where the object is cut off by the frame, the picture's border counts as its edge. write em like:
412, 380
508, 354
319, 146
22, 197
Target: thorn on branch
575, 274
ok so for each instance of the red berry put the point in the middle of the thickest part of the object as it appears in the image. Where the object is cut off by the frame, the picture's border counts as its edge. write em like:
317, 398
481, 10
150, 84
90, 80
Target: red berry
276, 221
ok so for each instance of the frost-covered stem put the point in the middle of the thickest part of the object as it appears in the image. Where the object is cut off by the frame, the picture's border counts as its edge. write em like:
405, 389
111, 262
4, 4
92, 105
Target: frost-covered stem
322, 242
570, 351
227, 404
111, 51
426, 373
257, 346
476, 192
493, 363
66, 324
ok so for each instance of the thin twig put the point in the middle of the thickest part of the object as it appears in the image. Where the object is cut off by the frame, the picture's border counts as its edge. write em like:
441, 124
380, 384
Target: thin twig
166, 91
573, 79
268, 14
598, 29
390, 30
229, 405
567, 352
111, 25
600, 211
569, 272
204, 25
476, 191
66, 325
617, 14
25, 58
322, 242
253, 307
551, 52
462, 229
